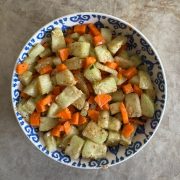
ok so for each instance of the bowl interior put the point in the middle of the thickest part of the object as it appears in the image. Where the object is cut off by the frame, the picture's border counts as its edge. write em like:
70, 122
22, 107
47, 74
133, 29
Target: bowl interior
138, 44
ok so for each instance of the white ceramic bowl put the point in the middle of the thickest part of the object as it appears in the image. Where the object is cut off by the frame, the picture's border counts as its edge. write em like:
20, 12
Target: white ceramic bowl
137, 43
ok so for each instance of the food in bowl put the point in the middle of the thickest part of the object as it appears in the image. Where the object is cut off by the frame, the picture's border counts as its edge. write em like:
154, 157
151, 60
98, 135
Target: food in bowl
84, 91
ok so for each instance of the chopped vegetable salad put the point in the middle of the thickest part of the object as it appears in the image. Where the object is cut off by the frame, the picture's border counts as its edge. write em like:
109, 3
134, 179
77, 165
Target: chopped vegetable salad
85, 91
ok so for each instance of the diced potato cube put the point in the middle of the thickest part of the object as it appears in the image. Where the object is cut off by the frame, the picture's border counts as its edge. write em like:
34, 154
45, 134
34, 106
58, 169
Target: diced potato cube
106, 69
29, 105
36, 50
107, 34
65, 78
88, 38
74, 63
47, 123
107, 85
49, 141
56, 60
134, 80
74, 149
144, 80
58, 41
26, 78
22, 110
80, 49
30, 60
44, 84
113, 138
114, 124
92, 73
95, 133
114, 108
94, 151
136, 60
79, 103
116, 44
117, 96
125, 63
85, 109
68, 96
147, 106
151, 93
45, 62
53, 110
133, 106
85, 38
103, 120
32, 88
64, 141
103, 54
75, 36
47, 52
81, 83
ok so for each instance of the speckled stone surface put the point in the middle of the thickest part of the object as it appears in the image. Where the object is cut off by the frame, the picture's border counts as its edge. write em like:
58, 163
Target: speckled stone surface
159, 20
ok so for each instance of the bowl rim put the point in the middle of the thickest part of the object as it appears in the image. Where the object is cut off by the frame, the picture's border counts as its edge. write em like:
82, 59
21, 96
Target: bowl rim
158, 58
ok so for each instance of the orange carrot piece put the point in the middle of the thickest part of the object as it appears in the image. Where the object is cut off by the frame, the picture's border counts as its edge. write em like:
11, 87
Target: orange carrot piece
124, 113
82, 120
105, 107
46, 69
137, 90
64, 53
136, 121
21, 68
89, 61
93, 114
47, 100
129, 73
24, 95
64, 114
34, 119
127, 130
127, 88
112, 65
41, 105
91, 100
93, 29
81, 29
102, 99
98, 40
67, 127
75, 118
61, 67
56, 131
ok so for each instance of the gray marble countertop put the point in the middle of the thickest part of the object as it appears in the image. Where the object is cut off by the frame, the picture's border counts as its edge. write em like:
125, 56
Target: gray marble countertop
159, 20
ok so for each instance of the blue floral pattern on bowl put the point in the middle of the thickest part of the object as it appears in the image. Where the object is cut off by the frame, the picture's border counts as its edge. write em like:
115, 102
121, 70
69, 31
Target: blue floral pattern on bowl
137, 43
